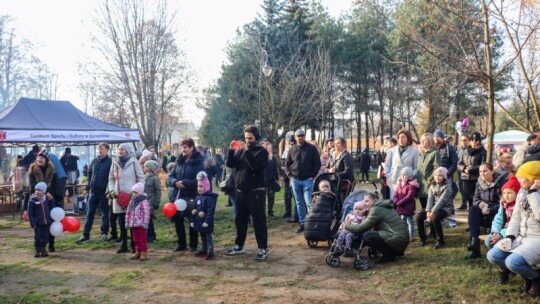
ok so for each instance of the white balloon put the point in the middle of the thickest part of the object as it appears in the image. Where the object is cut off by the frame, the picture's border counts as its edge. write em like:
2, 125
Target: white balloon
180, 204
57, 214
56, 228
458, 126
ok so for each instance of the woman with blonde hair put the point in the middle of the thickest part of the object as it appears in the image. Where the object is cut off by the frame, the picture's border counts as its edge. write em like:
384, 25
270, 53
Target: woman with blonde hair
429, 159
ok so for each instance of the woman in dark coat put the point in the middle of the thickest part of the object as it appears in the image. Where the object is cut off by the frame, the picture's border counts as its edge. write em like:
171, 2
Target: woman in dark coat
485, 205
42, 170
365, 165
183, 179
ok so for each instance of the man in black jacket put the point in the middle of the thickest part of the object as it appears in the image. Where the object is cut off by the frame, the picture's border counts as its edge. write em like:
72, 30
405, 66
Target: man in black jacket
302, 165
98, 179
250, 160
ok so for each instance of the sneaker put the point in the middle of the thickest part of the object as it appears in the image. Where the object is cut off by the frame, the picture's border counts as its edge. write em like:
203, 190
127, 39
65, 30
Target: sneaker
452, 224
82, 240
235, 250
104, 238
300, 229
261, 254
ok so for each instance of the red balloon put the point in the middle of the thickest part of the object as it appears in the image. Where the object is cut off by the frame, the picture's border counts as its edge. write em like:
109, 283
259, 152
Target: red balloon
66, 224
70, 224
169, 209
75, 224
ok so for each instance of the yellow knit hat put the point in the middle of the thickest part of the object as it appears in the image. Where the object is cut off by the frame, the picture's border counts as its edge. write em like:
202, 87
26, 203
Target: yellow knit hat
529, 170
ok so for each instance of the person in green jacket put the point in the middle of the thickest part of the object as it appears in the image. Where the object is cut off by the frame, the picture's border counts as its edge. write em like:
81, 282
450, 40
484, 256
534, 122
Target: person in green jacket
152, 188
390, 237
428, 160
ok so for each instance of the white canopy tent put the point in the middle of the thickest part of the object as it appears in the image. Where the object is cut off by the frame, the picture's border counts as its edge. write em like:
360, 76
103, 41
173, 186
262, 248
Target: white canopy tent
510, 137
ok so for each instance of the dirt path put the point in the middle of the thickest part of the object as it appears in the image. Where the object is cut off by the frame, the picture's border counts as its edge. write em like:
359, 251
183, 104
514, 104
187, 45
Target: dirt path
293, 273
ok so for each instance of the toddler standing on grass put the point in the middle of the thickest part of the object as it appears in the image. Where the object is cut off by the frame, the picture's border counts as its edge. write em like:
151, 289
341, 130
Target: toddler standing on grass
202, 217
404, 198
39, 215
152, 188
138, 218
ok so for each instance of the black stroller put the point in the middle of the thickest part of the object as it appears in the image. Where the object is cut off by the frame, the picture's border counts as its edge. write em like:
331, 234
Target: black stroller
359, 263
323, 220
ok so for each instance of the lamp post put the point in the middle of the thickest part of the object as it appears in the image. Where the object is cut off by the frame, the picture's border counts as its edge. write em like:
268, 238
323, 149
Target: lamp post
266, 69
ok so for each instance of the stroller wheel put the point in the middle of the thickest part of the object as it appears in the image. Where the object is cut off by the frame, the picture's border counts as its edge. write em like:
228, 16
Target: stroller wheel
312, 244
361, 264
372, 253
331, 260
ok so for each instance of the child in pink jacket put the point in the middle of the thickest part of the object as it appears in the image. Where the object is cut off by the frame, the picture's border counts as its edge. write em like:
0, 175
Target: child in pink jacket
404, 198
138, 218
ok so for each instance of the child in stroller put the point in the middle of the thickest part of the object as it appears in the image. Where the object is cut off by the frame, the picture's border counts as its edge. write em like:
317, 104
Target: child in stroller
346, 237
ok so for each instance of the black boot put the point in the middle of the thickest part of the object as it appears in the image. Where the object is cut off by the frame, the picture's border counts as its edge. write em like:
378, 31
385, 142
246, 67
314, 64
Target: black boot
526, 285
44, 252
38, 252
123, 248
504, 276
439, 244
51, 247
535, 287
475, 249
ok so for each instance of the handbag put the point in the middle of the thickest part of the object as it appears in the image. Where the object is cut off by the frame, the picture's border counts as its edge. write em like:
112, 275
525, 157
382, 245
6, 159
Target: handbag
123, 198
227, 185
276, 186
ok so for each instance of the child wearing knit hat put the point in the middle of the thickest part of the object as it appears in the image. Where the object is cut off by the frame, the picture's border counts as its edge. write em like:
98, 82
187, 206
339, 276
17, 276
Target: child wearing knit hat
202, 216
346, 237
508, 200
439, 206
404, 198
138, 218
39, 215
152, 188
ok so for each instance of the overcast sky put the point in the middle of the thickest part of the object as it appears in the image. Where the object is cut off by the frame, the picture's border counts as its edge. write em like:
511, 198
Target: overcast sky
60, 31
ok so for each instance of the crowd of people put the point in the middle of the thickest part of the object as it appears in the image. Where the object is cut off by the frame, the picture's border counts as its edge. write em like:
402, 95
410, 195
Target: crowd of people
502, 198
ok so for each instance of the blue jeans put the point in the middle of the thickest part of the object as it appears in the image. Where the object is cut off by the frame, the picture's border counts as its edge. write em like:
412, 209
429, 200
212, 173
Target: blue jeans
97, 201
302, 190
207, 243
511, 261
410, 223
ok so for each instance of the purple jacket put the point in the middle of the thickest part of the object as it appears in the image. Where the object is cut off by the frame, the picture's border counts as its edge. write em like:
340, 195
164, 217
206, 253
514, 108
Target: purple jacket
138, 213
404, 198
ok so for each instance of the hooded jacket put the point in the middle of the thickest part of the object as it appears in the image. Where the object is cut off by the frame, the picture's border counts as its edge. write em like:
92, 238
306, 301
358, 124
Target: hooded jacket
205, 203
250, 165
387, 222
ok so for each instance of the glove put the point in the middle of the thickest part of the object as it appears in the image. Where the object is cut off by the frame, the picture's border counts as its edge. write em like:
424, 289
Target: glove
192, 225
205, 225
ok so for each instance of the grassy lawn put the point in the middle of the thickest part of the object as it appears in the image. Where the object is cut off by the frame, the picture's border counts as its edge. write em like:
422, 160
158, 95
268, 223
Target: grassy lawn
423, 275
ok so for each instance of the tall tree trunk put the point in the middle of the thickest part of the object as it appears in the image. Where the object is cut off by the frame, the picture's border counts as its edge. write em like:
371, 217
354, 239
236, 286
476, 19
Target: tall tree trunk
489, 83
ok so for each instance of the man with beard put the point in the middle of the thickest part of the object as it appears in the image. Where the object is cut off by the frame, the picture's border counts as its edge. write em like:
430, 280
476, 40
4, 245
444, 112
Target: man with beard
250, 161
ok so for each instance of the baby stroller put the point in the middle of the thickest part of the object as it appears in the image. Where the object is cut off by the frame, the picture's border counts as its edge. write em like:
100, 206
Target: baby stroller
324, 218
359, 263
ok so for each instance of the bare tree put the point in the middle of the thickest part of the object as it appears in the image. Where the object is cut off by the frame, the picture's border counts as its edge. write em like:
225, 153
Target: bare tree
145, 71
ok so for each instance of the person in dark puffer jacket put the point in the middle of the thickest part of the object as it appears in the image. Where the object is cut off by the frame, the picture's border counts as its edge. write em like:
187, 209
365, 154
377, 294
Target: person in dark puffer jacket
202, 217
39, 215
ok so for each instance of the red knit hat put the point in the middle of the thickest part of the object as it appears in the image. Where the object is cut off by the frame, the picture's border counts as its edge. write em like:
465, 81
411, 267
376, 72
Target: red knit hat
512, 183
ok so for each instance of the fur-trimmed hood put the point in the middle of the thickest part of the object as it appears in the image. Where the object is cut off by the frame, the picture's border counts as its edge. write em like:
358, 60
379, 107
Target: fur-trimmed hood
36, 170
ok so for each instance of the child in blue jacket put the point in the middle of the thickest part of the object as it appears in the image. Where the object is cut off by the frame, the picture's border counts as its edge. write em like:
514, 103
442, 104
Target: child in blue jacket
202, 216
39, 215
